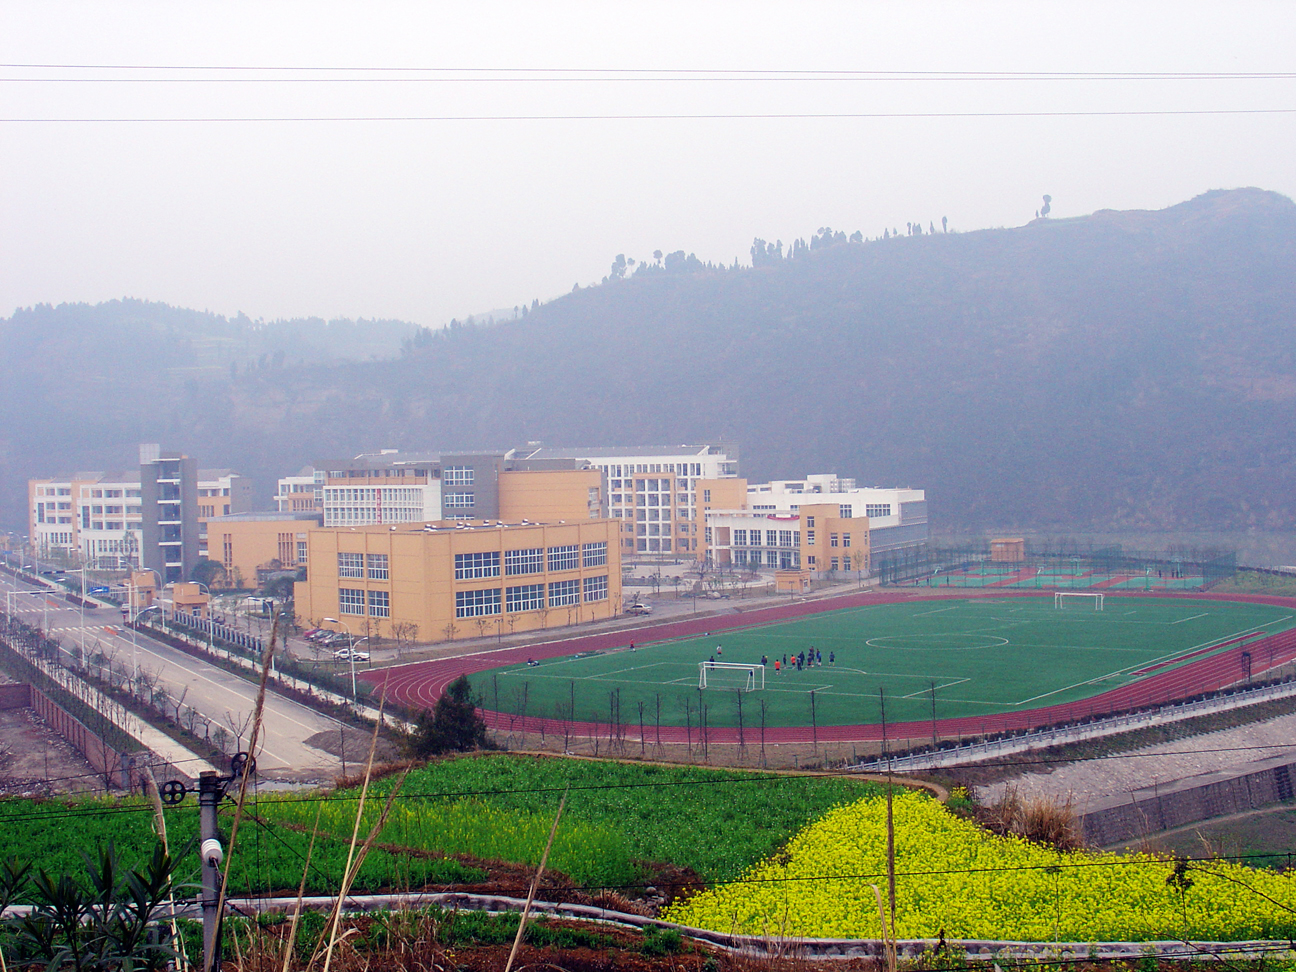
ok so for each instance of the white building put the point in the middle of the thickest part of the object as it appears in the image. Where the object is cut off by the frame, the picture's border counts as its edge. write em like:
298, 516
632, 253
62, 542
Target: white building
302, 493
652, 488
897, 517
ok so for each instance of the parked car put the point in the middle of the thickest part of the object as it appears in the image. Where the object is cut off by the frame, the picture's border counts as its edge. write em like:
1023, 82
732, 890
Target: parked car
639, 609
99, 590
310, 633
347, 654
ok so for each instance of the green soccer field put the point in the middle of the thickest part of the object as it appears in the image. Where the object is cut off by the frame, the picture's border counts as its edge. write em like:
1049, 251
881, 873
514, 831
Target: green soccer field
979, 656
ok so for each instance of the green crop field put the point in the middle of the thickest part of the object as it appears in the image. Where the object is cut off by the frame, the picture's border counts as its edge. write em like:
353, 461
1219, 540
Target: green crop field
977, 656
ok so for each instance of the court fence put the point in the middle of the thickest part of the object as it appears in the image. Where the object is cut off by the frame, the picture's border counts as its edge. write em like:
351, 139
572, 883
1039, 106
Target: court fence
908, 565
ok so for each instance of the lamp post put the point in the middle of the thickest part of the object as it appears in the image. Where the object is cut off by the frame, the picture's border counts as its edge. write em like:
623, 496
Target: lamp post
350, 651
82, 571
134, 602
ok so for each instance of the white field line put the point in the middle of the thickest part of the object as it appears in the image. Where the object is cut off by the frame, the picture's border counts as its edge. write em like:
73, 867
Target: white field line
1193, 618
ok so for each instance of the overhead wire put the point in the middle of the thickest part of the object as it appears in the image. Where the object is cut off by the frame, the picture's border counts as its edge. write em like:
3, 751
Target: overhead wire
713, 116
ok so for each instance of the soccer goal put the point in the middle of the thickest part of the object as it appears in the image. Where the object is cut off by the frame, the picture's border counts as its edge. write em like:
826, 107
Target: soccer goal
1059, 598
731, 675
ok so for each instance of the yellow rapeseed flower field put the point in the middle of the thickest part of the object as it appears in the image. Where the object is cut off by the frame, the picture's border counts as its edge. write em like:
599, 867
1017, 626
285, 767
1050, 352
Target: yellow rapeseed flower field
955, 878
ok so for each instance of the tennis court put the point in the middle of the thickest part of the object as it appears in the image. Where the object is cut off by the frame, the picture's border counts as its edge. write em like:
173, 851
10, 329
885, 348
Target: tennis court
930, 659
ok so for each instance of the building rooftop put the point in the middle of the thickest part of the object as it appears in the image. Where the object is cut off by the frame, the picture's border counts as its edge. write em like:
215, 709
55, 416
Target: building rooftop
266, 516
549, 452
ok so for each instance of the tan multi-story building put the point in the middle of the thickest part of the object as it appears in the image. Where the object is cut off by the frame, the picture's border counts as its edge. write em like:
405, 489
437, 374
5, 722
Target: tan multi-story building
823, 524
462, 578
248, 545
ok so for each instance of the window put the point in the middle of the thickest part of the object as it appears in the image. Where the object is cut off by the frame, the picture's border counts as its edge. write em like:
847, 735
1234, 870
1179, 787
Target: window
706, 496
834, 563
457, 476
377, 567
809, 523
524, 561
476, 604
845, 539
844, 511
740, 538
810, 535
810, 560
706, 534
562, 593
351, 602
771, 538
301, 552
594, 554
785, 538
528, 597
832, 539
771, 558
379, 604
564, 558
351, 565
470, 565
596, 588
227, 550
877, 509
458, 501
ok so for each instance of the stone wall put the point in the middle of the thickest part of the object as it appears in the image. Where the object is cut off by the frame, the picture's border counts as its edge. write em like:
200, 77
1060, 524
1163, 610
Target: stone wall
1178, 808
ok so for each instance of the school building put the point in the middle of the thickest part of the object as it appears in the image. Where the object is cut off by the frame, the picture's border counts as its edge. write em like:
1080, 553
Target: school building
823, 524
456, 579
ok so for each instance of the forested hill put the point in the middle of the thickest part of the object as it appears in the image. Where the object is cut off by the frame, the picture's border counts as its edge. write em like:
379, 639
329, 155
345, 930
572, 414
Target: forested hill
1117, 371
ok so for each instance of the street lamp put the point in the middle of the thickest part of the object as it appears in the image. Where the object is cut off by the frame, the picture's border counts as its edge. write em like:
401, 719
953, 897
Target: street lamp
350, 651
133, 601
82, 571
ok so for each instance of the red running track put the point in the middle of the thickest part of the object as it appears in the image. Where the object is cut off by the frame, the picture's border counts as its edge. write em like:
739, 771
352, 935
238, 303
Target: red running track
419, 685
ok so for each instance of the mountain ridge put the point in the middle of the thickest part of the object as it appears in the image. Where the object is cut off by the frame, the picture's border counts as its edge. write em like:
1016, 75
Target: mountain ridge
1126, 370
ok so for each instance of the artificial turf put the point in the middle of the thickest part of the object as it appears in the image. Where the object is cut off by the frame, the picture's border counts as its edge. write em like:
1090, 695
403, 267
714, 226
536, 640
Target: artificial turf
977, 656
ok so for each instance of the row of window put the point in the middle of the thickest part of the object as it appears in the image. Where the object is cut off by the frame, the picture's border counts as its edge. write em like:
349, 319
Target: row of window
778, 559
629, 469
858, 562
351, 601
373, 565
530, 597
458, 501
457, 475
469, 566
371, 494
770, 538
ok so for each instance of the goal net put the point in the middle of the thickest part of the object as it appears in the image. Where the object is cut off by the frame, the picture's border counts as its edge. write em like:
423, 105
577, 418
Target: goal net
731, 675
1060, 598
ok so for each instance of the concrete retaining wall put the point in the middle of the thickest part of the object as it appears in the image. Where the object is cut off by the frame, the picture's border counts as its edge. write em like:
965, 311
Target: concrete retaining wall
1165, 811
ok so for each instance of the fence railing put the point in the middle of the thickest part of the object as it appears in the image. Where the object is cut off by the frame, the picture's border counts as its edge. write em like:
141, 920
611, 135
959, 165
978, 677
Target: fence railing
976, 752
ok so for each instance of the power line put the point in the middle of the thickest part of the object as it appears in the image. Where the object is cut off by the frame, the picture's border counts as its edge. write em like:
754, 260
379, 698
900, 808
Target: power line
719, 116
596, 77
687, 73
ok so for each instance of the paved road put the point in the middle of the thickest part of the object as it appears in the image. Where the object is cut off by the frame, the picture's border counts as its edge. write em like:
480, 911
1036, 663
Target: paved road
220, 696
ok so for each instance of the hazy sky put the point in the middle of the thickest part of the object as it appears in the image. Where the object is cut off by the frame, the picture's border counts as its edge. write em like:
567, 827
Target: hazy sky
428, 219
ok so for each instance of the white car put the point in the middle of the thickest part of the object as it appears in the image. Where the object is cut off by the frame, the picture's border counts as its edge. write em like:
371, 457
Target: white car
640, 609
347, 654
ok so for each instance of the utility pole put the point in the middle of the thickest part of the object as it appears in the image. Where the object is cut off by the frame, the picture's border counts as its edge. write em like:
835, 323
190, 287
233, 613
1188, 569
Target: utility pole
211, 788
